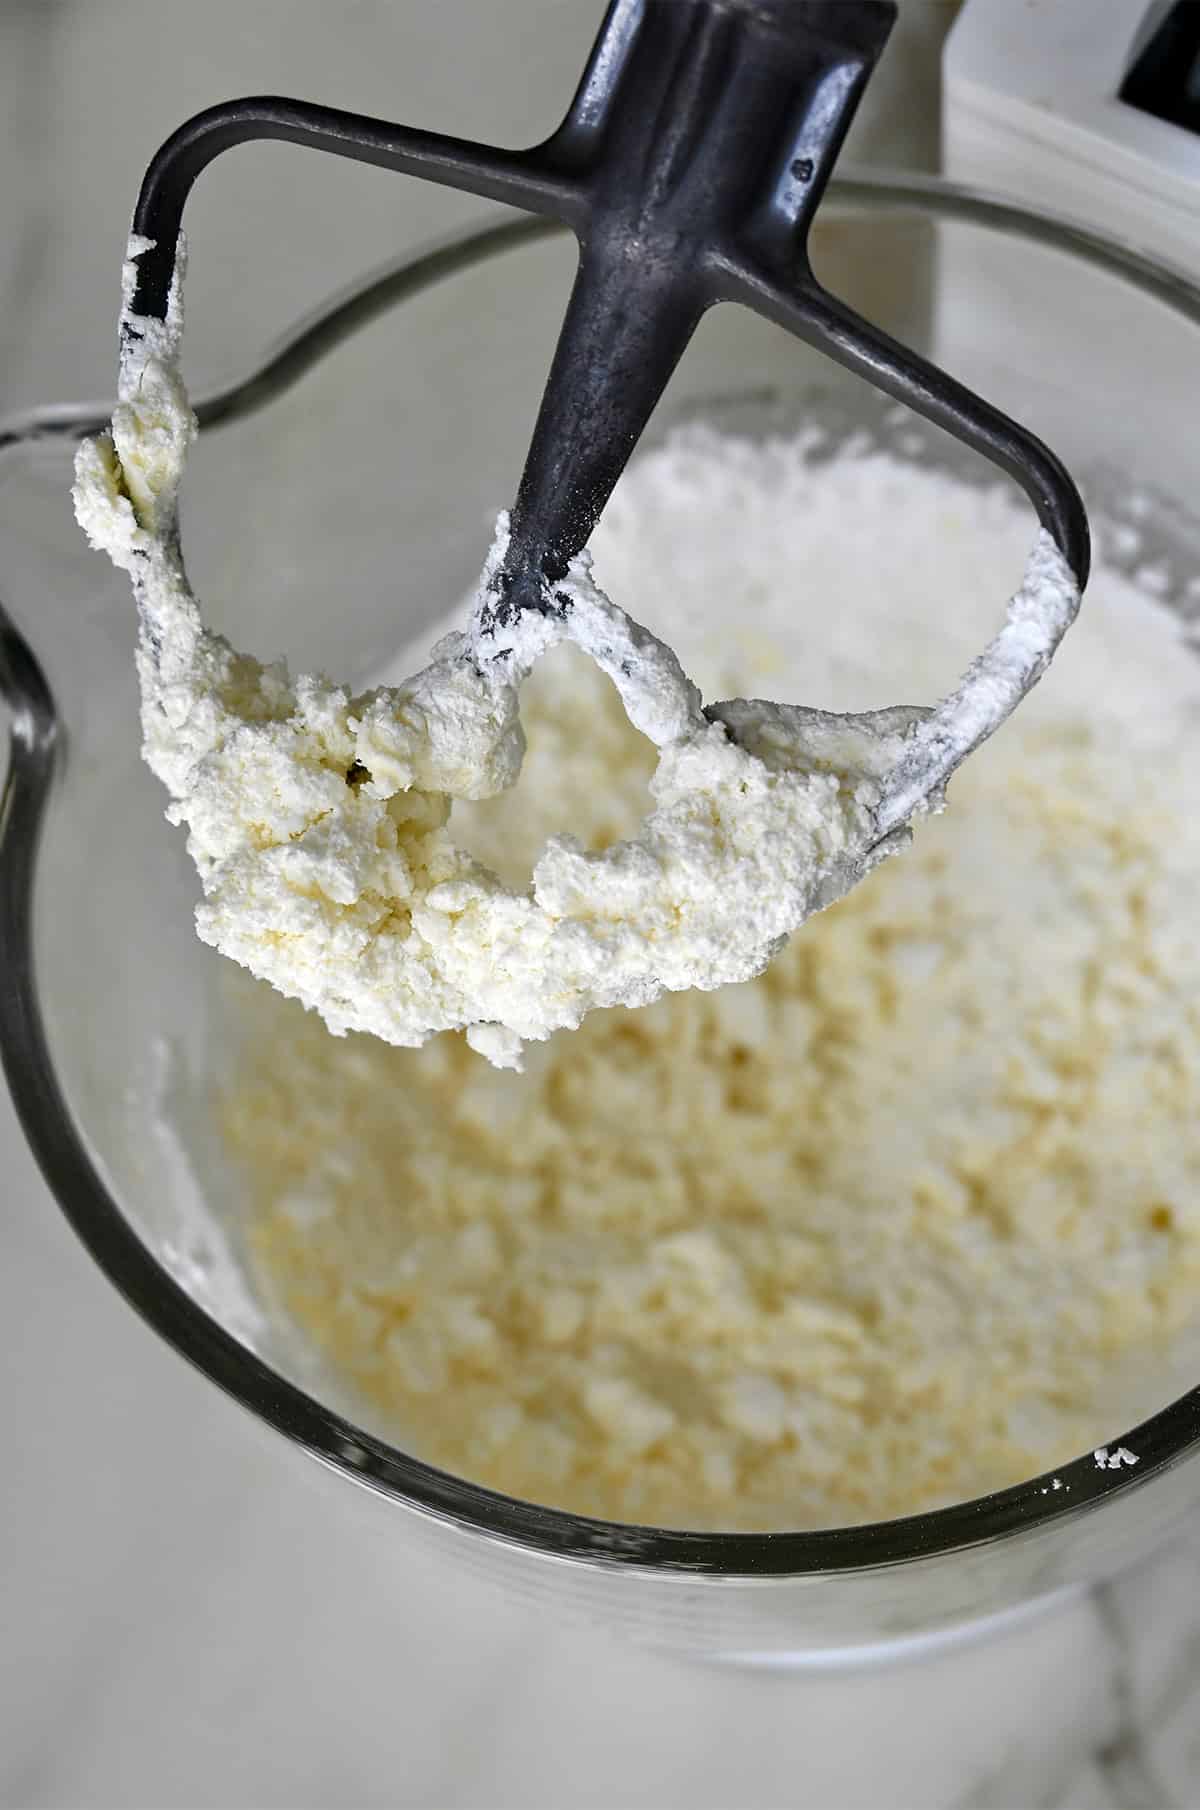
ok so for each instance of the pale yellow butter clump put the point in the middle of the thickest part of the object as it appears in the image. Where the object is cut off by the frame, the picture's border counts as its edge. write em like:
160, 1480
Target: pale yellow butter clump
886, 1227
319, 820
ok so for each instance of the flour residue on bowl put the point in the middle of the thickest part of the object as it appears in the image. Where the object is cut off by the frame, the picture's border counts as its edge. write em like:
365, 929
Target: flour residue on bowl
889, 1225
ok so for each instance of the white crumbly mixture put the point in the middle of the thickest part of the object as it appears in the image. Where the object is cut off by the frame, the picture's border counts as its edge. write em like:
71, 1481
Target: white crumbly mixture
903, 1219
318, 820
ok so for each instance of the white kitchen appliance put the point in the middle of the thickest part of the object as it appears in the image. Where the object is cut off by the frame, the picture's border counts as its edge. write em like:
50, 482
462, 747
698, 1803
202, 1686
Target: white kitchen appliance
1089, 108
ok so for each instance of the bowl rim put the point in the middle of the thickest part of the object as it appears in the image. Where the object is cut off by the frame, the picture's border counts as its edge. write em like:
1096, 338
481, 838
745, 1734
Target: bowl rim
1074, 1489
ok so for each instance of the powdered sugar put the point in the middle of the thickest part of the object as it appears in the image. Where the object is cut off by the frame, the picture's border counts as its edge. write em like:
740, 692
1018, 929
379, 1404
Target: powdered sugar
911, 1216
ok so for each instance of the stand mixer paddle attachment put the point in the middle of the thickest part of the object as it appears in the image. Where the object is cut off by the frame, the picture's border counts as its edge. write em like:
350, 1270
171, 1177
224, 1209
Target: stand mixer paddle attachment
690, 167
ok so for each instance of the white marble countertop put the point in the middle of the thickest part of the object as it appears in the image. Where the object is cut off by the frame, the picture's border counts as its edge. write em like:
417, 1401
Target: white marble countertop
181, 1626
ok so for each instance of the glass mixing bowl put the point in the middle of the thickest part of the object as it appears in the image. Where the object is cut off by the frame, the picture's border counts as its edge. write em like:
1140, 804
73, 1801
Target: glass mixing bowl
344, 503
